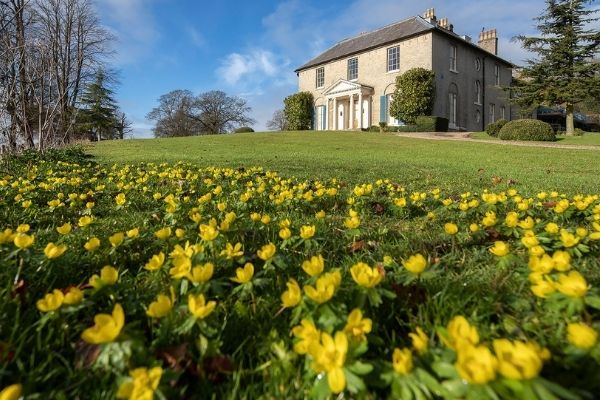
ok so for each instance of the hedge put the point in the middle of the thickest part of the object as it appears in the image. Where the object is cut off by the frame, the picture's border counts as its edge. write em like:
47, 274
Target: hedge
244, 129
432, 124
527, 129
494, 128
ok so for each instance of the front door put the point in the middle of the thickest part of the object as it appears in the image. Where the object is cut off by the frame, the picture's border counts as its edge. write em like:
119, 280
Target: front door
365, 114
341, 117
356, 115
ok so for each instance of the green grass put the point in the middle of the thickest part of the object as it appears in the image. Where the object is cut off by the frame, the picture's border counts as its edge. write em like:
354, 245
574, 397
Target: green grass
359, 157
589, 139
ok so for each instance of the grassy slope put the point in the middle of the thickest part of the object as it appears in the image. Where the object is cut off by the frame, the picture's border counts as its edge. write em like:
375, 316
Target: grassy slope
359, 157
589, 139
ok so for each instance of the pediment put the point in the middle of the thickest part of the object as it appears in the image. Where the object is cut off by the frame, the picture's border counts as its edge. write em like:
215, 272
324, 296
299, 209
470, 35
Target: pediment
343, 86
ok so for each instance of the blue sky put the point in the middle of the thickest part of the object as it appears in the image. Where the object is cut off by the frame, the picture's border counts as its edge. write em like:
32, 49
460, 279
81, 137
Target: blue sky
251, 48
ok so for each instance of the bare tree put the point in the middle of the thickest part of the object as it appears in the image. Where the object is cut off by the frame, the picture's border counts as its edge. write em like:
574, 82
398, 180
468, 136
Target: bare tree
172, 115
278, 122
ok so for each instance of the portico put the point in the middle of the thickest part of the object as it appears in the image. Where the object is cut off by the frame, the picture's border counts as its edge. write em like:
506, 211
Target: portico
347, 106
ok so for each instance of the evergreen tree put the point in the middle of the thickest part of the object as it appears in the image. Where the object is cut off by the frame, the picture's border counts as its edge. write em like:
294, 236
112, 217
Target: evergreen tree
98, 115
564, 72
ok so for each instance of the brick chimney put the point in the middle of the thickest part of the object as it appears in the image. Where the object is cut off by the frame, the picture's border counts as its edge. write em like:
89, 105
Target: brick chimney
488, 40
429, 16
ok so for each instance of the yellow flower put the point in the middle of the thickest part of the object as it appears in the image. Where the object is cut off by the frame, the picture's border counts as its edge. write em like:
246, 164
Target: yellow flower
474, 228
551, 228
314, 266
500, 248
543, 288
285, 233
132, 233
202, 273
267, 252
352, 222
108, 276
489, 219
7, 236
244, 275
527, 223
12, 392
518, 360
292, 296
199, 307
320, 215
64, 229
366, 276
357, 326
142, 384
116, 239
232, 251
182, 266
163, 234
156, 262
419, 340
308, 333
106, 327
180, 233
23, 240
160, 307
23, 228
402, 361
307, 231
460, 334
74, 296
511, 220
450, 228
530, 241
562, 260
324, 288
582, 335
329, 355
265, 219
85, 221
53, 251
120, 199
568, 239
51, 301
476, 364
92, 244
415, 264
208, 232
572, 284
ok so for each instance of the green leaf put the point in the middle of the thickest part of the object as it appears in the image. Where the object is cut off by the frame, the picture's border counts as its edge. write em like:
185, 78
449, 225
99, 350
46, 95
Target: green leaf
354, 383
593, 301
554, 389
444, 369
360, 368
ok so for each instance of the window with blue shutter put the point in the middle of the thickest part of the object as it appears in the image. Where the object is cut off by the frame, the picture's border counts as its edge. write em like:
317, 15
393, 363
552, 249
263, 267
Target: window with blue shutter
383, 105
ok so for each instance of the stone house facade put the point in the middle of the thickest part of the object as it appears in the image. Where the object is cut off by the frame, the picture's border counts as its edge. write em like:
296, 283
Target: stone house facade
353, 82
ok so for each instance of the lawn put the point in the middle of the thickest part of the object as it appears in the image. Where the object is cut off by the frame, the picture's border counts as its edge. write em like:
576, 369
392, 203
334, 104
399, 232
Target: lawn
359, 157
589, 139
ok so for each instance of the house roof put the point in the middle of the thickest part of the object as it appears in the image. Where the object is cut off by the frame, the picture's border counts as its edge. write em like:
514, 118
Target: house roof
388, 34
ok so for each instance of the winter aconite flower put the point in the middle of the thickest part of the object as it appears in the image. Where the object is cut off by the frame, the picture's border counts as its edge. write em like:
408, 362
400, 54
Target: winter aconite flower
500, 249
53, 251
307, 231
308, 334
202, 273
12, 392
106, 327
329, 356
163, 234
572, 284
460, 333
85, 221
314, 266
357, 326
141, 385
244, 275
476, 364
64, 229
366, 276
23, 240
108, 276
266, 252
518, 360
199, 307
402, 361
450, 228
51, 301
208, 233
116, 239
419, 340
415, 264
582, 335
160, 307
92, 244
156, 262
324, 288
73, 296
292, 296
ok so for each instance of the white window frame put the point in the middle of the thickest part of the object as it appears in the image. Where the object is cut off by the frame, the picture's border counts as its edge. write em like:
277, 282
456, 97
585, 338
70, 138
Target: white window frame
395, 57
391, 121
354, 69
478, 92
320, 78
453, 58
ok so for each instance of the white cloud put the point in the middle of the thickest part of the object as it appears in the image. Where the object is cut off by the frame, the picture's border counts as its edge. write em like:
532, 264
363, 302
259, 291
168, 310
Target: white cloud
196, 37
258, 64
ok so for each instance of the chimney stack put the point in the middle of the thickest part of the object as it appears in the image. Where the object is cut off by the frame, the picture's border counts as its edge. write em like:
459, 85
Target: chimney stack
429, 15
445, 24
488, 40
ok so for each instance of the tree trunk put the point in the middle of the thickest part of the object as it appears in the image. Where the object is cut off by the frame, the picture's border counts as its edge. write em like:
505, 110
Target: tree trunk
570, 120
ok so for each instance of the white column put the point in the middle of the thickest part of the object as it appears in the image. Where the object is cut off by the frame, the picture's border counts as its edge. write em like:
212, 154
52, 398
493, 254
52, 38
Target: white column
335, 116
351, 120
360, 110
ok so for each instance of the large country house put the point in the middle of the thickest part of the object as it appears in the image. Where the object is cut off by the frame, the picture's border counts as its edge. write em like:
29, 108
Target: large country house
353, 82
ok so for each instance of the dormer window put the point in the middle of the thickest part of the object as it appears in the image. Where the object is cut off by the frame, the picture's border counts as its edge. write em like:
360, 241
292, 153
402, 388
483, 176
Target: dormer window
353, 69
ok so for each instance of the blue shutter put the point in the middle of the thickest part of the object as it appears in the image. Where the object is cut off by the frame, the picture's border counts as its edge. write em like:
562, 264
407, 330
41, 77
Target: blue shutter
313, 124
323, 118
383, 109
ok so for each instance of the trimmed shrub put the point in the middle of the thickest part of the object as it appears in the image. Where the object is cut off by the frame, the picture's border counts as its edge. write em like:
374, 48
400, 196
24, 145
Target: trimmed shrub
244, 129
298, 111
432, 124
408, 128
493, 129
527, 129
577, 132
414, 95
373, 128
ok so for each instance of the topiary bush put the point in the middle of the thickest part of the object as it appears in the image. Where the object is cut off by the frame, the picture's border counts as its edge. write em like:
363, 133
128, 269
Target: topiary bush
432, 124
244, 129
527, 129
414, 95
298, 111
493, 129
